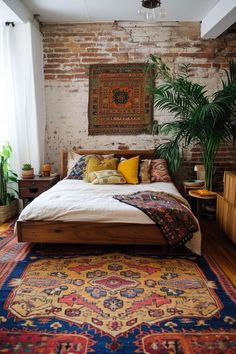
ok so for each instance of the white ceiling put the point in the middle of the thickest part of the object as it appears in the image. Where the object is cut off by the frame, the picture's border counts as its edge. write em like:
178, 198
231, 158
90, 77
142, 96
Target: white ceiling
115, 10
215, 15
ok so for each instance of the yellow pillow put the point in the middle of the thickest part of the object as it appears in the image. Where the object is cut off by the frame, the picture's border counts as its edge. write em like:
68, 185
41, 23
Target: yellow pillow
129, 169
96, 164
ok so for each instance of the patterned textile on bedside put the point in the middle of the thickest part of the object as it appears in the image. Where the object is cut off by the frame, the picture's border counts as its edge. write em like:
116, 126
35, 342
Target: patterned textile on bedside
95, 163
159, 171
145, 171
107, 177
170, 212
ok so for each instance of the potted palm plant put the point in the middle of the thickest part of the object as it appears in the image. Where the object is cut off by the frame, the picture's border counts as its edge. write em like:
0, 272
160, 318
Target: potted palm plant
8, 200
197, 118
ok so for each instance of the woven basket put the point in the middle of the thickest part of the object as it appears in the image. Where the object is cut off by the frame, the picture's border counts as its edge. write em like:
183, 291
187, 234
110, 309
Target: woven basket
8, 211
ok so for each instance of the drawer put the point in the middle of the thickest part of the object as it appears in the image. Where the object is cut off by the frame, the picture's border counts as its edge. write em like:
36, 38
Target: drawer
32, 191
34, 184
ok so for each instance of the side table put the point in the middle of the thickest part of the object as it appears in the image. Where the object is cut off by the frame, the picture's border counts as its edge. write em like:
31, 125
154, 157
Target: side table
32, 187
201, 198
188, 188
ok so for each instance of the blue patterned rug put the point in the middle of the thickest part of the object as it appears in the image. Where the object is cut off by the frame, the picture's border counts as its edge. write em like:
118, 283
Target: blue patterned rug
63, 300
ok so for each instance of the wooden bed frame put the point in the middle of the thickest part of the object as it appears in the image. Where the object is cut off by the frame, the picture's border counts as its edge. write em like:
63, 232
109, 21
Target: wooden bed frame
91, 233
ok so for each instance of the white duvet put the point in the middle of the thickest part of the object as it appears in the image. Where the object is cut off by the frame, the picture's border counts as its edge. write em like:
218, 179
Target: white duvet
73, 200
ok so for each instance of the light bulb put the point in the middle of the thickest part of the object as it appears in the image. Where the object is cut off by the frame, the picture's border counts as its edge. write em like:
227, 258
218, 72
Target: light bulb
162, 12
141, 11
150, 15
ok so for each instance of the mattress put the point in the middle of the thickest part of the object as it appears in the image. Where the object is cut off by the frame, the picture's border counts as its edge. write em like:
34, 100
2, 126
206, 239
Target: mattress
74, 200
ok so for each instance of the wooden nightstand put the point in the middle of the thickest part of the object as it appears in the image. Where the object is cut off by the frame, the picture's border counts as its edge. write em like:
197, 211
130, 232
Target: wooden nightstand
31, 188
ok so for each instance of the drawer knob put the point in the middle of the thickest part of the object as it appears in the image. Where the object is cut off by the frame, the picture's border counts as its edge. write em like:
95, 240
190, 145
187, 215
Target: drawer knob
33, 189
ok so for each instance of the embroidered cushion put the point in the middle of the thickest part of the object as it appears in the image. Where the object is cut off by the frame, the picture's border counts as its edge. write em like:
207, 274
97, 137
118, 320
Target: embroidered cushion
159, 171
97, 164
129, 169
145, 171
107, 177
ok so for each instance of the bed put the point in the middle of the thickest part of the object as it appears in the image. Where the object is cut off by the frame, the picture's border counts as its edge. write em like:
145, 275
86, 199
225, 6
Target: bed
65, 218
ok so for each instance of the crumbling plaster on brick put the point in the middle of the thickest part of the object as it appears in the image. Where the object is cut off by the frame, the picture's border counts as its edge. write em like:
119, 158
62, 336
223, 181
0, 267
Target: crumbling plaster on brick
69, 49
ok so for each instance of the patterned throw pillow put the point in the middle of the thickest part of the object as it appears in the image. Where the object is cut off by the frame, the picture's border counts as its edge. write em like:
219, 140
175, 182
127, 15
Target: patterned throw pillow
96, 164
77, 164
77, 171
107, 177
159, 171
72, 159
145, 171
129, 169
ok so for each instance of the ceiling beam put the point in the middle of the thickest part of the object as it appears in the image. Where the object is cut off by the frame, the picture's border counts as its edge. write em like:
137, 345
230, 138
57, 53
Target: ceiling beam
219, 19
21, 11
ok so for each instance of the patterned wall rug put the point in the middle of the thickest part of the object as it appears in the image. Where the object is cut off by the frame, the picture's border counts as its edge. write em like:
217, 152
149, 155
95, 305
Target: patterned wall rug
62, 300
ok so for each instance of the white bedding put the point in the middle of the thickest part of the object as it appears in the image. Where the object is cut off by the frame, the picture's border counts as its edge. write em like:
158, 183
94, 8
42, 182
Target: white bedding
73, 200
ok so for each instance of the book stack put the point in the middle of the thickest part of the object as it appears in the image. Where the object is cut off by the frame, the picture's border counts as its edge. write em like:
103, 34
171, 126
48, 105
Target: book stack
204, 192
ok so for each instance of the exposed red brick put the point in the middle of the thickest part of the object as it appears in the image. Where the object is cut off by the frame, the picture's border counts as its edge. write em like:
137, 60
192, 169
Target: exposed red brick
61, 50
49, 77
96, 60
207, 66
69, 49
86, 45
86, 54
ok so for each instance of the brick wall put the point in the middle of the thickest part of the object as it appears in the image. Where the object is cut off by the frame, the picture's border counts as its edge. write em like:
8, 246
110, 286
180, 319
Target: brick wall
225, 160
69, 49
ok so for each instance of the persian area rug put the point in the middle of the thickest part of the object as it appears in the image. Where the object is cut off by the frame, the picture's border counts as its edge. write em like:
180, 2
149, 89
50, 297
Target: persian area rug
6, 229
63, 301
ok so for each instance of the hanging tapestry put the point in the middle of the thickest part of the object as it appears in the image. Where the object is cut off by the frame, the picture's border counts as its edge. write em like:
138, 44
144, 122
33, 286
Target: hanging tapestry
118, 99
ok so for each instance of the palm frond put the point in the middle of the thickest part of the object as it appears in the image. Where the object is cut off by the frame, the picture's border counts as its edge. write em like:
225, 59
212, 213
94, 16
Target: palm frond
184, 71
170, 152
197, 118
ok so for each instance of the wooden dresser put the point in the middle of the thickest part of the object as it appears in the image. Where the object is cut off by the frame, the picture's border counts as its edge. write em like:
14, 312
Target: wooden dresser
226, 206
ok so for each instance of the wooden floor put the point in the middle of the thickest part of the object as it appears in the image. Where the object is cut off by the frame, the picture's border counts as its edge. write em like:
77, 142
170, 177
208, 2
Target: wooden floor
217, 245
214, 243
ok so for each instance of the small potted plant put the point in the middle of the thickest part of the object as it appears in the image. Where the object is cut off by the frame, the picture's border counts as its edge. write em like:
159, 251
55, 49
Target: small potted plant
8, 195
27, 171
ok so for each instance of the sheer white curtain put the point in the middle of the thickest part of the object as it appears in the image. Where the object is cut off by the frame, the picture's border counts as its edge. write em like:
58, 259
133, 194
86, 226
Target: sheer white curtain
22, 108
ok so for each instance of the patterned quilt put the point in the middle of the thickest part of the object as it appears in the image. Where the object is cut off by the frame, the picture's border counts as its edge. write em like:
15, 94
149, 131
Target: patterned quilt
169, 212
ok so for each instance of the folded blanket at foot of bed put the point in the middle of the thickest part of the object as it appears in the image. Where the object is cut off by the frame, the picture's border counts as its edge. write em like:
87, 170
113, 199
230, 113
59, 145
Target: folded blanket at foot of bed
169, 212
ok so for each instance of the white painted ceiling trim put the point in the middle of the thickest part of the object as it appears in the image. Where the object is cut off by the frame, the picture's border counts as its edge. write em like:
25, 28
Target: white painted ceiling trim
221, 17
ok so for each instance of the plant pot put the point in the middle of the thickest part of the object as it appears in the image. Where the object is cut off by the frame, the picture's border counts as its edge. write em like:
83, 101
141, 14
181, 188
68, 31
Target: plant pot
8, 211
27, 174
